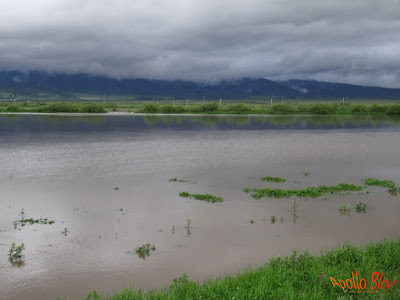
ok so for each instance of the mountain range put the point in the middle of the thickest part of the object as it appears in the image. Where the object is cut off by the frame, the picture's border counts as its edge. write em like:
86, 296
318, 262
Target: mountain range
35, 84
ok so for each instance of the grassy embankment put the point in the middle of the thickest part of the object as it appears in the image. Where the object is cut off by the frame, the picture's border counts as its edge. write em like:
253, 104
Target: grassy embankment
208, 108
303, 276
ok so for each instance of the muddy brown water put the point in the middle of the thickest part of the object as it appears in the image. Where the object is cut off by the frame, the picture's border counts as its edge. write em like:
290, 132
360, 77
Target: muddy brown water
66, 169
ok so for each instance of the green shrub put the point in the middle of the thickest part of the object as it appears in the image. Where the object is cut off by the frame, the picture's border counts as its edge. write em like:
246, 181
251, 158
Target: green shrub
61, 107
168, 109
283, 109
378, 108
209, 107
393, 109
92, 108
150, 108
358, 109
13, 108
238, 108
320, 109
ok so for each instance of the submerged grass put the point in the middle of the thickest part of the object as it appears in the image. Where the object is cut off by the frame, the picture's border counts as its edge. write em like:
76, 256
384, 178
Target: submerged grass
307, 192
273, 179
298, 276
203, 197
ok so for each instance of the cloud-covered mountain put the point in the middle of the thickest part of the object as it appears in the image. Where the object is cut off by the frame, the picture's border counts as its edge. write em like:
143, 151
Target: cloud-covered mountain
35, 84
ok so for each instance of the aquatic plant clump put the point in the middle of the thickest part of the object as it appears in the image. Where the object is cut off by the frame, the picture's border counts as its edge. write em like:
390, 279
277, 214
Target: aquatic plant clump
203, 197
273, 179
312, 192
361, 207
32, 221
145, 250
177, 180
345, 209
383, 183
15, 252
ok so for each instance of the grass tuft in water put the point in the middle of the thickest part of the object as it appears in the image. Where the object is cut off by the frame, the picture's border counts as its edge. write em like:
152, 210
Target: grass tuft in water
145, 250
273, 179
15, 252
203, 197
361, 207
345, 209
177, 180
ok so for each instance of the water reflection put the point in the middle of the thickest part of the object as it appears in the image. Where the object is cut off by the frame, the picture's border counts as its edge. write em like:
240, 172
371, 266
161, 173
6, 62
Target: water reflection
62, 123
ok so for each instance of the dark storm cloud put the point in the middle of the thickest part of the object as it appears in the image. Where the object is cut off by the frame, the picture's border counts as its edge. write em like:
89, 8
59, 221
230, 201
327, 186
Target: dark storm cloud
345, 41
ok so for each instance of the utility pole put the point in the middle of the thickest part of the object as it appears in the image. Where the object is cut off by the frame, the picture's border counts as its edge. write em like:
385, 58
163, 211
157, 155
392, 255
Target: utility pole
220, 102
271, 100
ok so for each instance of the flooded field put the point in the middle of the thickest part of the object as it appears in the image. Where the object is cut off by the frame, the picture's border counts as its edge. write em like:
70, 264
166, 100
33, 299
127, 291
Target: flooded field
104, 180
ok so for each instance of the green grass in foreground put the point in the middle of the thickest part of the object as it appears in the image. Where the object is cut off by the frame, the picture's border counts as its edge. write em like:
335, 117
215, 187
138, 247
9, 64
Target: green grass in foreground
307, 192
303, 276
203, 197
273, 179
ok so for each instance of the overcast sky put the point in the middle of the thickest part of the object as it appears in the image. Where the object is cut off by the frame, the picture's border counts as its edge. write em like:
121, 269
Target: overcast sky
352, 41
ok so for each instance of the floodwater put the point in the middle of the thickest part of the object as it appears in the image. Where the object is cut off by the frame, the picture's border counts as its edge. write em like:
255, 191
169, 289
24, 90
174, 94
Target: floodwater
66, 168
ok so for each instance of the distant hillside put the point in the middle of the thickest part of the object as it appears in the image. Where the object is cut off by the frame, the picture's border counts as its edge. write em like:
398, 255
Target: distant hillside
35, 82
44, 86
320, 89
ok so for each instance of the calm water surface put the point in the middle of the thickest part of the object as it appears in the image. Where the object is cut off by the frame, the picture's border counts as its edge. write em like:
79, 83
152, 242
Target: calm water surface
65, 168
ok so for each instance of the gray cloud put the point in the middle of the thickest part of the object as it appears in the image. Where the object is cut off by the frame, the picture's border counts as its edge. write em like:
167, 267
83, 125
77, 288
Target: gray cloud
343, 41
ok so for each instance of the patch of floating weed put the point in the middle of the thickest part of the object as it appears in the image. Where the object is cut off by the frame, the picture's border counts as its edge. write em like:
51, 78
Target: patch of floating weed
177, 180
273, 179
65, 231
361, 207
251, 221
273, 219
306, 173
15, 252
145, 250
345, 209
117, 188
383, 183
203, 197
307, 192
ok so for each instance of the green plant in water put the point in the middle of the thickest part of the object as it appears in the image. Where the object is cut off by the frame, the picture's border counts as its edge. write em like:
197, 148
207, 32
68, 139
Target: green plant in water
203, 197
32, 221
383, 183
361, 207
188, 227
15, 252
177, 180
22, 213
116, 188
173, 229
252, 221
273, 219
307, 192
306, 173
273, 179
345, 209
145, 250
65, 232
